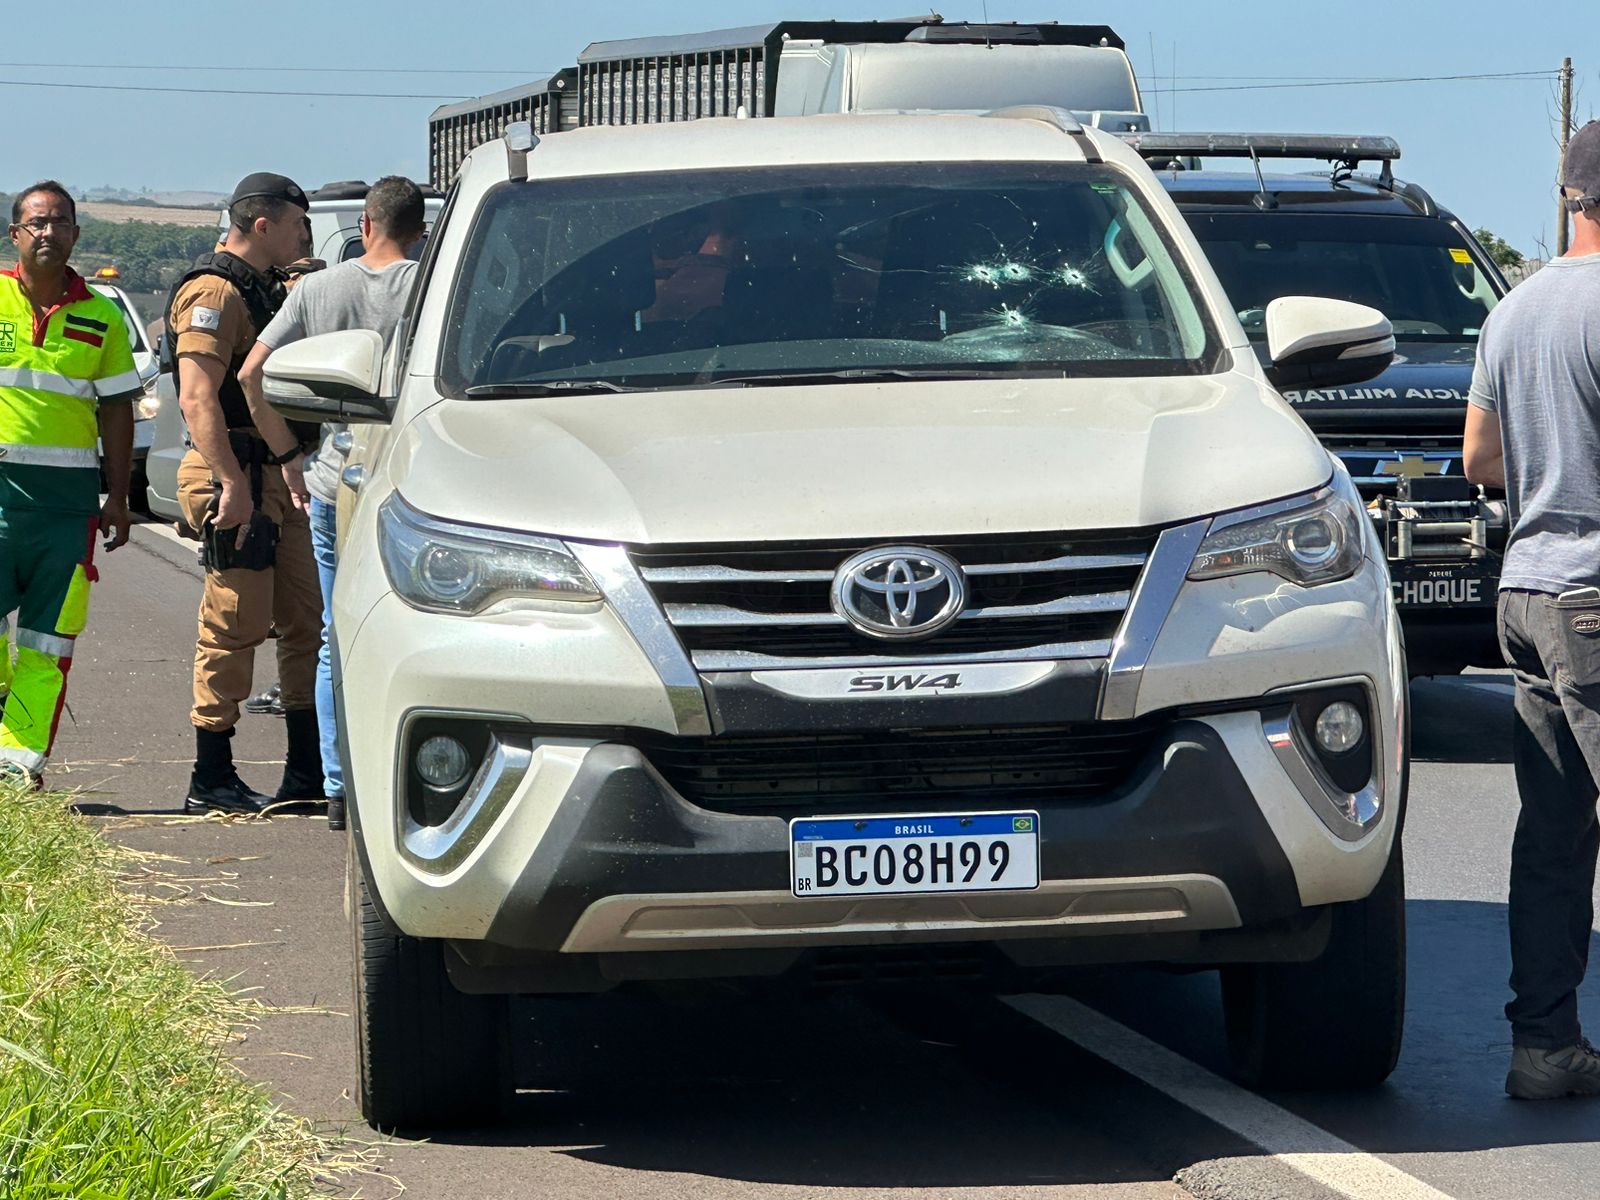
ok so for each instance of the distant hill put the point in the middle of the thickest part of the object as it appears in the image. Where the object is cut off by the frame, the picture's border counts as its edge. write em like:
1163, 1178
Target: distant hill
155, 199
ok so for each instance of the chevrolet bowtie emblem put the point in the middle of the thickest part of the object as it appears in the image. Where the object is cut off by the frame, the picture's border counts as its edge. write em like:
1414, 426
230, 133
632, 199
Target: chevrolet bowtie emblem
1413, 466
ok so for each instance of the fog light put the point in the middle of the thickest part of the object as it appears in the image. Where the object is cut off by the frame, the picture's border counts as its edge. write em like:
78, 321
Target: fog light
442, 762
1340, 728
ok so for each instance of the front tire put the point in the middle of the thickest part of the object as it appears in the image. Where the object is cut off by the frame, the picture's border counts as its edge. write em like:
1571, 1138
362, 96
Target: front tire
1337, 1021
429, 1056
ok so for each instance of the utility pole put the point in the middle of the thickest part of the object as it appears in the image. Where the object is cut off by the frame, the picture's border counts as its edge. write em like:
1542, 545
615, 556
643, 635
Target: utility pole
1566, 135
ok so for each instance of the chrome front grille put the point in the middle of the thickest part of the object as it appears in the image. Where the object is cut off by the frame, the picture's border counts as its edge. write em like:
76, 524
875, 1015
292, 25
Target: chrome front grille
1377, 465
740, 607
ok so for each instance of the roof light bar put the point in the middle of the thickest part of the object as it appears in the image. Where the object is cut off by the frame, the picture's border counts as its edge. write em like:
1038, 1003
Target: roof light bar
1327, 147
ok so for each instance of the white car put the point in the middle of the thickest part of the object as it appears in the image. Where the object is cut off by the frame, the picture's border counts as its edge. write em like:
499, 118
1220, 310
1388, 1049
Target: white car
840, 547
335, 216
145, 362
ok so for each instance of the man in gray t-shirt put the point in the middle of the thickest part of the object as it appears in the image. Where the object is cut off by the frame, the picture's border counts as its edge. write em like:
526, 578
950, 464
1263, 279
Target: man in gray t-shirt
1533, 426
352, 295
369, 292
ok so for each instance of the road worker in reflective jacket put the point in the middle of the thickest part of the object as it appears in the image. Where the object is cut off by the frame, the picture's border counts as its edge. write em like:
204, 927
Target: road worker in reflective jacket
67, 381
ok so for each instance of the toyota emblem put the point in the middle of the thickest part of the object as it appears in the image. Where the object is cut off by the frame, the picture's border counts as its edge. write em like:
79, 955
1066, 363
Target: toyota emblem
899, 591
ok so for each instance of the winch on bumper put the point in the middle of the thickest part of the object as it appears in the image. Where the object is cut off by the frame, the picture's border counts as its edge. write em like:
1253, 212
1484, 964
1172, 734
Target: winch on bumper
1444, 539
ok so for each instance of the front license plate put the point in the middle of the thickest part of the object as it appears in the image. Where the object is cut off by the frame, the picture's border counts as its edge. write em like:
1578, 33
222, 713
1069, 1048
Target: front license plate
1442, 587
888, 856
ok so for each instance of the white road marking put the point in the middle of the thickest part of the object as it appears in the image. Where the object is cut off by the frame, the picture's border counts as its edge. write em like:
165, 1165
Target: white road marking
1292, 1140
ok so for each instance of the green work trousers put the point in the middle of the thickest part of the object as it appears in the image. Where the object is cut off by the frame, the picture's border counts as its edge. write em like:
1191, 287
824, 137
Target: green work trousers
46, 567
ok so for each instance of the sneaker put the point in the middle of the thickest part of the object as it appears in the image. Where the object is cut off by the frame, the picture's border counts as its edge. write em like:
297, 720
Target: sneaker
1551, 1074
335, 812
232, 796
268, 702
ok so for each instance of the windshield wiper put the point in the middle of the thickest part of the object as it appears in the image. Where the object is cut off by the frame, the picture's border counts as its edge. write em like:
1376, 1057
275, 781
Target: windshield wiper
854, 375
543, 387
578, 387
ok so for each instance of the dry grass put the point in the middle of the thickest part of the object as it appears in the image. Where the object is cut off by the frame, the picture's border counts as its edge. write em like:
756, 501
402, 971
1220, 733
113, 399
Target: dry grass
119, 214
115, 1077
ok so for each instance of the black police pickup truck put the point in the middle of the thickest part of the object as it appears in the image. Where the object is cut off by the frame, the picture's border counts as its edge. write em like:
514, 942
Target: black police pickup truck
1373, 239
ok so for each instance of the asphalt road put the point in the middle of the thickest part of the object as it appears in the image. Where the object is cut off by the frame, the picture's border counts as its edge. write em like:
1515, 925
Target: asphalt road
1113, 1092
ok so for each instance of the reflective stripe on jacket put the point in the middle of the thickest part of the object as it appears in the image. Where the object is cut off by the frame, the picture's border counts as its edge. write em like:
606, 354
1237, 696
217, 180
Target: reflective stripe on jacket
56, 368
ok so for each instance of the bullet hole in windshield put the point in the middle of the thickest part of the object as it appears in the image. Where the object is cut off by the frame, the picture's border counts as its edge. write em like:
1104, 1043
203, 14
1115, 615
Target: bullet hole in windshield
1026, 285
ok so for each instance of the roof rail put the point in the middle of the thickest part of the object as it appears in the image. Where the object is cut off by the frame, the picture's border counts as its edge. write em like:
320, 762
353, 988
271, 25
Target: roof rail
1413, 194
1061, 118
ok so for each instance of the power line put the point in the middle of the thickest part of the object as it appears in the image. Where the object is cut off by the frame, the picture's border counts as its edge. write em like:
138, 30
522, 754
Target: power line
1156, 90
1301, 78
129, 87
531, 72
1262, 87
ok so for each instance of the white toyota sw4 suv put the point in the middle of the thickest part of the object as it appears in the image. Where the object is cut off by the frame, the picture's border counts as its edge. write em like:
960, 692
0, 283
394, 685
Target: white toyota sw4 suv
796, 549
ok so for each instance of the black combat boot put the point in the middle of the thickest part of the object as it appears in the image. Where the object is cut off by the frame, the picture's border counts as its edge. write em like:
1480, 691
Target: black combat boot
215, 786
301, 790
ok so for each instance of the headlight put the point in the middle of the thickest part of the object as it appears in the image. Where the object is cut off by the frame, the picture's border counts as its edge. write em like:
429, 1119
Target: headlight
463, 569
1317, 541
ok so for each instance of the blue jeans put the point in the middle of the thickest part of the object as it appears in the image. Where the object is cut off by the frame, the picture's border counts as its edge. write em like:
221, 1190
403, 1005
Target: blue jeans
324, 529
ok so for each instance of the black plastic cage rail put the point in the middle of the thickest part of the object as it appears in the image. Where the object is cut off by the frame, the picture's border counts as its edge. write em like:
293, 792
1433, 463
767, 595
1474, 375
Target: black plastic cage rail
549, 105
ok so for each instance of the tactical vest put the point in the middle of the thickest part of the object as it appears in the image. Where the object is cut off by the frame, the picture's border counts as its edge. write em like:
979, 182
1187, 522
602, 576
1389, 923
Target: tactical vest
263, 296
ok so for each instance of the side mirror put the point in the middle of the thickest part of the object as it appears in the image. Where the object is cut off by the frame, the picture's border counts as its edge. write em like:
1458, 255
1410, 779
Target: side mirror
330, 377
1318, 343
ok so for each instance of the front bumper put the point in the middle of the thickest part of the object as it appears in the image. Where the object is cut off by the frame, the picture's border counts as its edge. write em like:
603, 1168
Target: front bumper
574, 845
1196, 837
630, 865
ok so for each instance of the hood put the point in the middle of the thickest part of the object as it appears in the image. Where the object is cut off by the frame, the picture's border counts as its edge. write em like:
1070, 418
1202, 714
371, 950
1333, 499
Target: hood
1424, 391
866, 460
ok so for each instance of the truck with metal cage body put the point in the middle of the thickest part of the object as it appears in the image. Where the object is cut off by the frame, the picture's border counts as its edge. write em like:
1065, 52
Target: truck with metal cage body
799, 68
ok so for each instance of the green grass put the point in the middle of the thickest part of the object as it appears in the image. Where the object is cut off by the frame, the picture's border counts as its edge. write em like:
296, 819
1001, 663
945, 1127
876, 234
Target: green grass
114, 1075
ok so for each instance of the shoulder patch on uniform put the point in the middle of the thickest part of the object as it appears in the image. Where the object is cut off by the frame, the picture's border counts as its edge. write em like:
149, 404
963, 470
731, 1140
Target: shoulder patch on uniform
205, 318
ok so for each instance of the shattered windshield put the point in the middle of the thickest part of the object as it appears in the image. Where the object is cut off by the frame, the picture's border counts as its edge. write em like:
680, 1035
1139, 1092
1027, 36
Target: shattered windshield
927, 269
1419, 273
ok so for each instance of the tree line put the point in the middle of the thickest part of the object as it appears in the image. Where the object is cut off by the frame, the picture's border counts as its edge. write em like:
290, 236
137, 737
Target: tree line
149, 256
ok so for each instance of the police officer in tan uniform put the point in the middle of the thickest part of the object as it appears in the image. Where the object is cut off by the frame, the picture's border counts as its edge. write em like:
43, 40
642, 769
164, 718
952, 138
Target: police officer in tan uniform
256, 544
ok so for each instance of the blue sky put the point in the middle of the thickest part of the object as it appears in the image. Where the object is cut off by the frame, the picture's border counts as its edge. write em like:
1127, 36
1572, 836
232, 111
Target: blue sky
1485, 148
